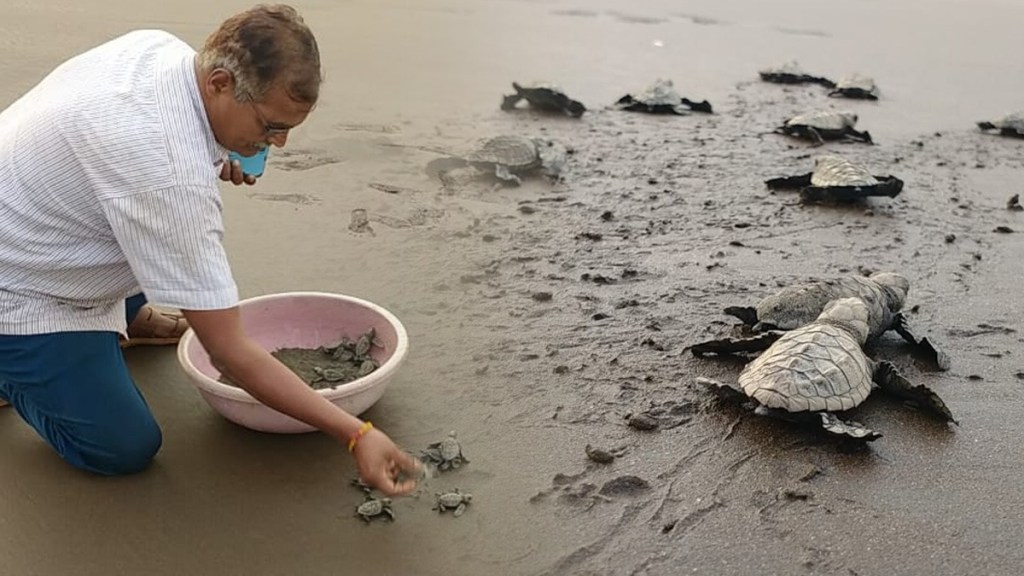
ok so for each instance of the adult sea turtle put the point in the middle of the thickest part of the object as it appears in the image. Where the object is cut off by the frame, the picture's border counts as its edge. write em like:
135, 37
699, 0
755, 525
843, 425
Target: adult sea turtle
836, 179
791, 73
1011, 124
883, 293
508, 157
544, 96
661, 98
856, 86
819, 369
824, 125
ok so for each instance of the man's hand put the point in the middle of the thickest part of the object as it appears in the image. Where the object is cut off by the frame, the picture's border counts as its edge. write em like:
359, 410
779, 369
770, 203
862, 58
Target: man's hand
232, 172
384, 466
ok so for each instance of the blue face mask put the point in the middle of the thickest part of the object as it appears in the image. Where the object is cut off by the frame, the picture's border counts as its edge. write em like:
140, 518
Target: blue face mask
251, 165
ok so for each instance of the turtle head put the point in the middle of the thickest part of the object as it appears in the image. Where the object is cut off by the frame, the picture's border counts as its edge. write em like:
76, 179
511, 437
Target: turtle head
849, 118
576, 108
823, 160
785, 311
848, 313
895, 288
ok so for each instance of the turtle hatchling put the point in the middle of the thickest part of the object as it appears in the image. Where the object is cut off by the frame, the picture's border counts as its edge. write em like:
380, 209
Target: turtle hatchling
454, 500
820, 368
884, 294
836, 179
856, 86
791, 73
545, 97
1011, 124
508, 157
824, 125
374, 507
446, 454
661, 98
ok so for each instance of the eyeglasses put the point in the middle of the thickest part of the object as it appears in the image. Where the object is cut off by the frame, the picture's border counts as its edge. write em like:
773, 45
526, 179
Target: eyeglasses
268, 130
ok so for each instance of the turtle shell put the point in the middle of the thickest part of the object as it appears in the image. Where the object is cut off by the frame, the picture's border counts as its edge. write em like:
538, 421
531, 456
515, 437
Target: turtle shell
451, 499
371, 507
833, 170
660, 93
515, 152
819, 367
857, 83
825, 120
883, 293
538, 89
1013, 121
790, 68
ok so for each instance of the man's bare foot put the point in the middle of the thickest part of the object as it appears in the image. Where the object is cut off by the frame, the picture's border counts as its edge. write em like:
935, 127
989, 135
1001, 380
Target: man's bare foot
4, 403
153, 327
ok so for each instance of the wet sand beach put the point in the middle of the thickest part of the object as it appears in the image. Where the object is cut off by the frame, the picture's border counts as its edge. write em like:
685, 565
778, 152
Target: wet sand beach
542, 317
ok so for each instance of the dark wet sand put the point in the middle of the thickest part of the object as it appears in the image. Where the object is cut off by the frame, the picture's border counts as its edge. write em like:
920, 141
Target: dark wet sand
529, 383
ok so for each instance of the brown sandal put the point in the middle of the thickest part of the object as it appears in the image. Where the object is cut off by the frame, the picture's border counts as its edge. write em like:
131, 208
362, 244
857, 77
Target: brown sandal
154, 327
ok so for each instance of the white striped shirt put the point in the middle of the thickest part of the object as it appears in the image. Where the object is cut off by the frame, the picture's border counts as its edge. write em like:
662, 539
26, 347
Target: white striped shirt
109, 187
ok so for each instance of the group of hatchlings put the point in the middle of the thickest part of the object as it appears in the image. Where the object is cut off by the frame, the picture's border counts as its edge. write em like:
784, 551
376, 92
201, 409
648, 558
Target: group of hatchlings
832, 179
813, 363
444, 455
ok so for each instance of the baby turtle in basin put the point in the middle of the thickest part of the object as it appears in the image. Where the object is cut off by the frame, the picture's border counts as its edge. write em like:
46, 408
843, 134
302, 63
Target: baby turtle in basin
810, 373
661, 98
824, 125
791, 73
454, 500
836, 179
374, 507
1011, 124
508, 157
884, 294
446, 454
856, 86
545, 97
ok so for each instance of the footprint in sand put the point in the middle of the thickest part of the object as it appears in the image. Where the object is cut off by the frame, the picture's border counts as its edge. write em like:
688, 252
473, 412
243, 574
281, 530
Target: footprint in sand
802, 32
574, 12
636, 19
701, 20
301, 160
303, 199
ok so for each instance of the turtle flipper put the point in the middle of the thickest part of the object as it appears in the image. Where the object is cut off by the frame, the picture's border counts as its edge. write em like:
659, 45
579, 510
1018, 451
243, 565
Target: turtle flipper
502, 172
841, 194
857, 136
724, 391
890, 380
789, 182
833, 425
510, 101
829, 422
746, 314
703, 106
732, 345
902, 327
889, 186
819, 80
816, 136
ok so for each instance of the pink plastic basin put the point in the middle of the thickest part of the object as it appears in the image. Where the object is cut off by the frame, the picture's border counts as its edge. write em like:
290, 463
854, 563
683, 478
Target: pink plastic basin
306, 320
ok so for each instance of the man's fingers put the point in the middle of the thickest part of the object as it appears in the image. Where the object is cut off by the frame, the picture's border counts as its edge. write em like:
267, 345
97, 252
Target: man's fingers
408, 462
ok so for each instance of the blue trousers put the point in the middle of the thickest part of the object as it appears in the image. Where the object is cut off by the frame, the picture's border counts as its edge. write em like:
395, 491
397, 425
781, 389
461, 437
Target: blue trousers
75, 390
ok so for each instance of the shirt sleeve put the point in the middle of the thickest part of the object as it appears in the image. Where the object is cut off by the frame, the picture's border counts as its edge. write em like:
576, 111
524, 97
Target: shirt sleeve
173, 241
